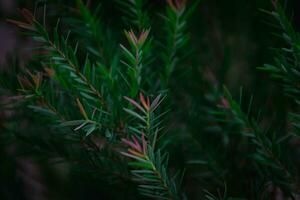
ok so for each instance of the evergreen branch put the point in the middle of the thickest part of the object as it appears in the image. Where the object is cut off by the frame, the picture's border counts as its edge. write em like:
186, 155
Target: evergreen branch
94, 154
147, 120
286, 67
91, 29
149, 170
149, 165
134, 14
33, 89
134, 59
61, 57
65, 65
92, 24
175, 37
265, 153
77, 71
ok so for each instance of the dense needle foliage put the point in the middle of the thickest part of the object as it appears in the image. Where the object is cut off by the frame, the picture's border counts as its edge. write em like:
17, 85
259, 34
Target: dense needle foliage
127, 99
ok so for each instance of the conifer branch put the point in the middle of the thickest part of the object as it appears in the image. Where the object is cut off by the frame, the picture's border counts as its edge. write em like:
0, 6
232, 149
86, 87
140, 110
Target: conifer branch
265, 153
175, 35
134, 59
286, 67
149, 170
134, 13
149, 166
148, 122
60, 56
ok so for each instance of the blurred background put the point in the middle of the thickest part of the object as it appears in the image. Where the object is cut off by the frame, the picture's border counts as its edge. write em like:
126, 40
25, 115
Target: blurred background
229, 37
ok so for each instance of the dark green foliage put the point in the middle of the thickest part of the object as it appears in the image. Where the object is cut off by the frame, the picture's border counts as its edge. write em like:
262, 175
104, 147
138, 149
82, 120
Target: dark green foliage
286, 62
268, 149
123, 100
135, 14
